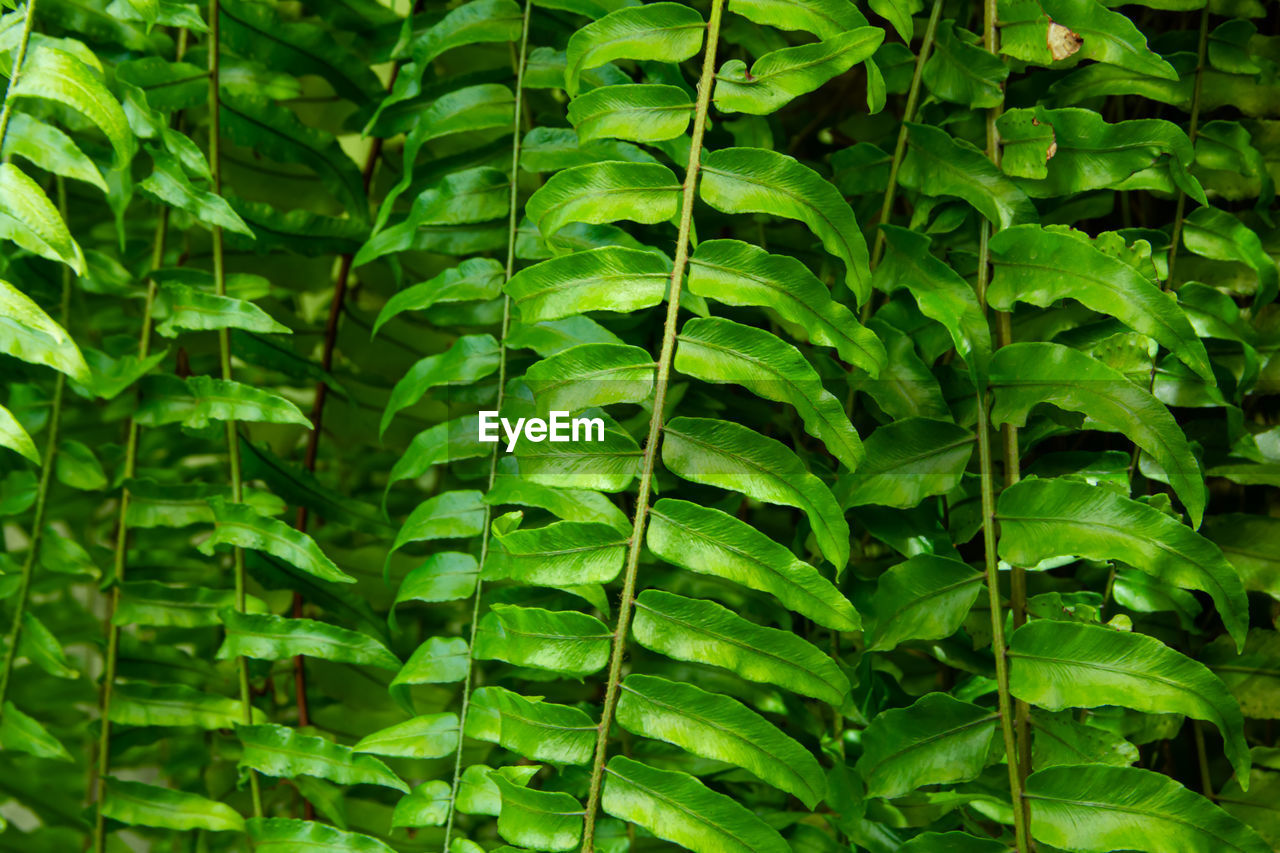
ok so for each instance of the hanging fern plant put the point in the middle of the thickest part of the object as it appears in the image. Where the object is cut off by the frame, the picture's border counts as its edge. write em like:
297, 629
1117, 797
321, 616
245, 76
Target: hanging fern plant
737, 426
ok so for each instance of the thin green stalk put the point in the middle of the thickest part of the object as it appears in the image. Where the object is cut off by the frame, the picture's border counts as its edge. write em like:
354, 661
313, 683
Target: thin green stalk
119, 564
662, 375
224, 356
899, 150
1020, 759
28, 22
14, 635
1192, 131
513, 222
1014, 717
998, 647
340, 282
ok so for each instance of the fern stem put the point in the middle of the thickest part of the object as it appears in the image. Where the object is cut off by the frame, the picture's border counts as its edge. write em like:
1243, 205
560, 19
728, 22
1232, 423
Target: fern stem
662, 374
1014, 716
120, 562
1192, 131
24, 39
14, 635
899, 150
998, 647
224, 356
338, 299
513, 222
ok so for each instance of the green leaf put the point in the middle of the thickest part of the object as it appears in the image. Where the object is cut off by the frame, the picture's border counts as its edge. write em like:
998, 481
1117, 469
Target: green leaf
301, 487
426, 805
440, 660
190, 309
709, 541
445, 576
473, 279
1060, 739
430, 736
964, 73
590, 375
598, 193
54, 75
731, 456
136, 704
298, 47
1252, 674
1250, 544
908, 460
1256, 807
567, 642
153, 504
952, 842
78, 468
21, 733
280, 835
39, 645
538, 820
719, 728
1060, 152
781, 76
14, 437
169, 185
755, 180
564, 503
50, 149
925, 598
462, 198
28, 218
138, 804
938, 740
240, 526
938, 290
1217, 234
284, 752
737, 273
678, 808
448, 515
704, 632
1059, 665
611, 278
717, 350
154, 603
1041, 266
563, 553
640, 112
468, 359
938, 164
477, 22
607, 463
478, 793
50, 343
1026, 374
267, 637
665, 32
445, 443
201, 399
1108, 37
824, 18
465, 110
1096, 809
541, 731
1040, 519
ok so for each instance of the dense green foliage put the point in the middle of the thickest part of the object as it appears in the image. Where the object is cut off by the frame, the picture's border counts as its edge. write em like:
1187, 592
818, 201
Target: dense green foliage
933, 350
